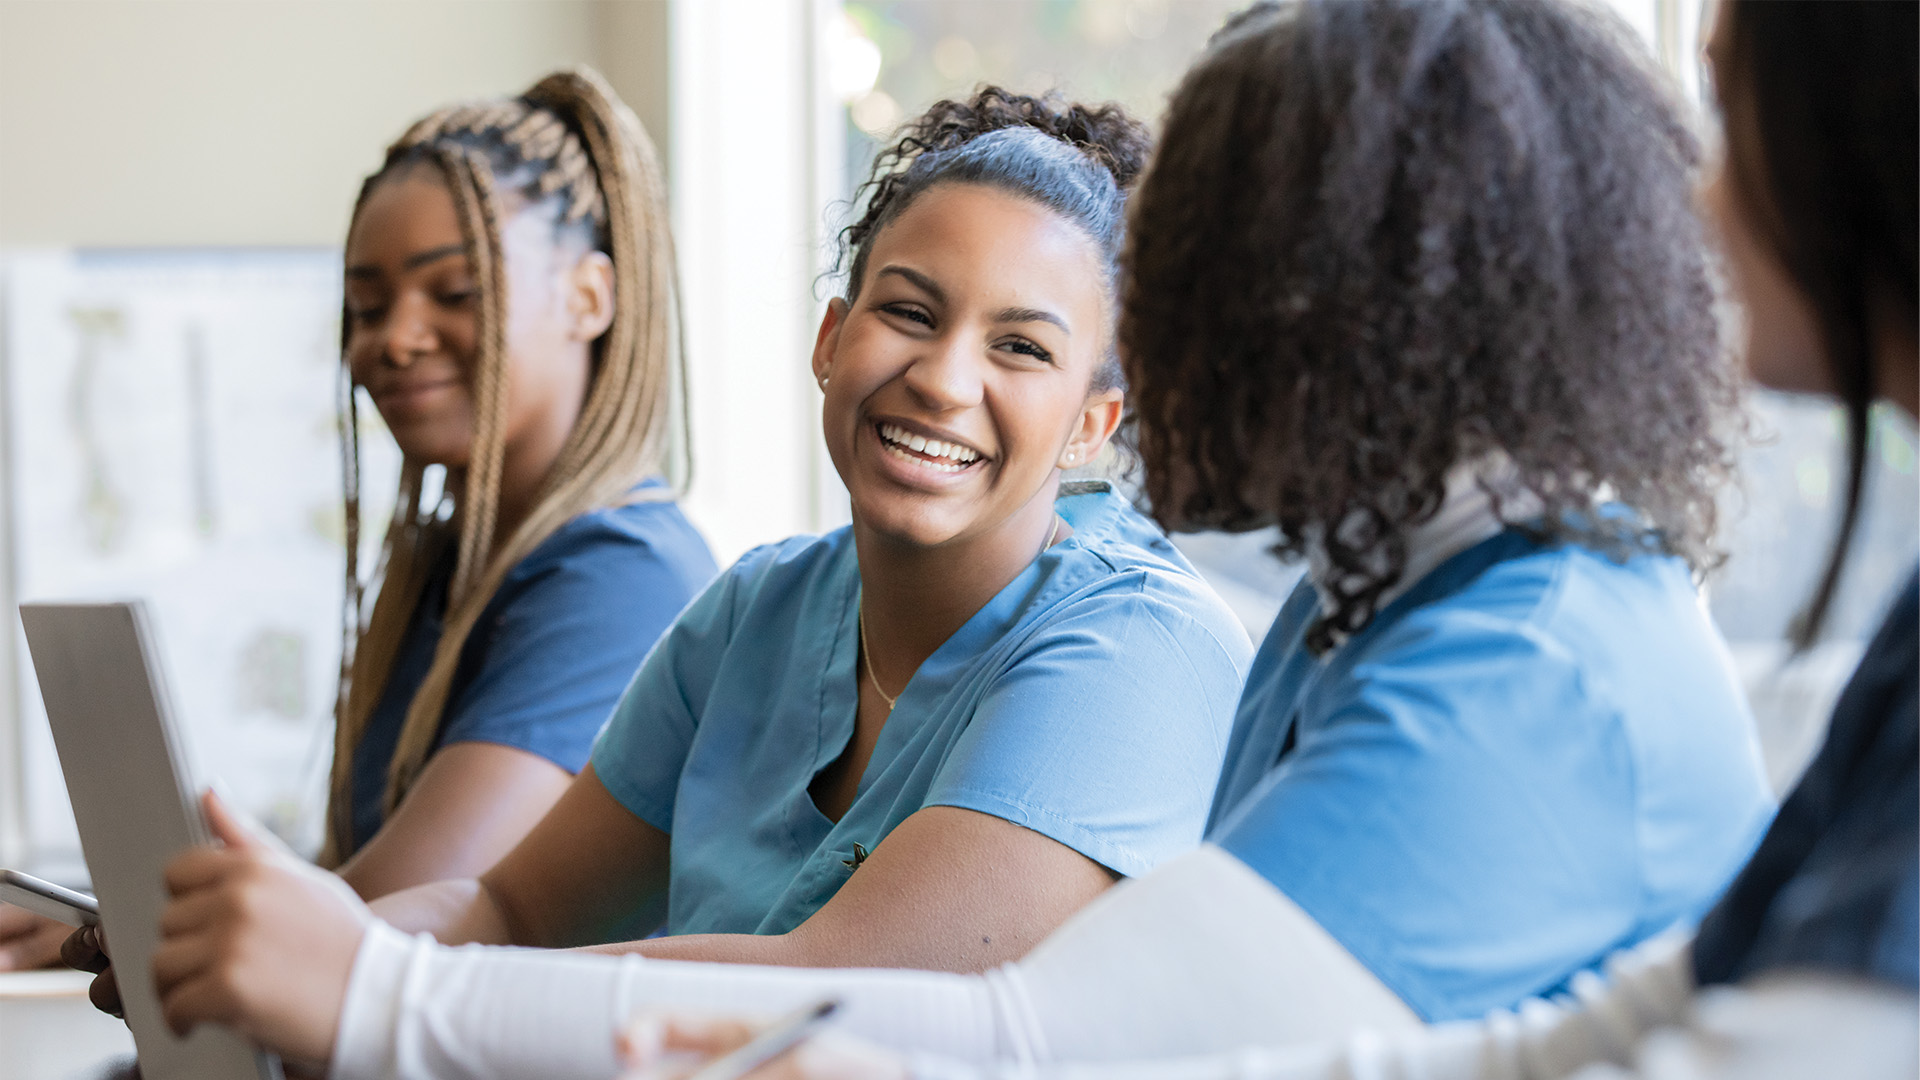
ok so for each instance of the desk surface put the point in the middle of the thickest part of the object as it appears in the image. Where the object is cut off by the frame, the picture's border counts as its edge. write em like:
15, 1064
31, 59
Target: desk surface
50, 1031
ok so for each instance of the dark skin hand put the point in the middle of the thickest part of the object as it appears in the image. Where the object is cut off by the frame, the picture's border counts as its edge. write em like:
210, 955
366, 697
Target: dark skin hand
27, 940
86, 950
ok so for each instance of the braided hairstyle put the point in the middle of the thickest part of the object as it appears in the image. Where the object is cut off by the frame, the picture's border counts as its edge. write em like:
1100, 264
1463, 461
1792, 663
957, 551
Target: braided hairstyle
1383, 240
1078, 161
570, 145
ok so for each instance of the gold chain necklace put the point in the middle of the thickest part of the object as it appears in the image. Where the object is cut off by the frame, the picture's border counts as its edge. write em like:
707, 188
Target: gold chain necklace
866, 654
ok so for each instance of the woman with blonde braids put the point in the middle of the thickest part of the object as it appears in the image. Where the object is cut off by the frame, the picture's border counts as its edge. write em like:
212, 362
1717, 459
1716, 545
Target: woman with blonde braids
509, 308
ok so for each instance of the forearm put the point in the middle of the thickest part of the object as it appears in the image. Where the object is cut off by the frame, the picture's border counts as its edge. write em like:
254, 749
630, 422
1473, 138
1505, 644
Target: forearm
1603, 1023
771, 949
456, 912
1167, 965
414, 1009
811, 945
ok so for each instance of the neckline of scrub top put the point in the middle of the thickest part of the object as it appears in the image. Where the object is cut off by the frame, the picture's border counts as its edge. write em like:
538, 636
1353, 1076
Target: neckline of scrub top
1452, 575
1091, 508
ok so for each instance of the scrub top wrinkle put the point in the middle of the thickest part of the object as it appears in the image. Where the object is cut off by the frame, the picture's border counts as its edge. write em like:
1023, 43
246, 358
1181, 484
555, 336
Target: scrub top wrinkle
1089, 700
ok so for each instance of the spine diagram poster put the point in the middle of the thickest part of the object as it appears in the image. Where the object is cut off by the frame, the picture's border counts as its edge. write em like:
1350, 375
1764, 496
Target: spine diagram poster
171, 434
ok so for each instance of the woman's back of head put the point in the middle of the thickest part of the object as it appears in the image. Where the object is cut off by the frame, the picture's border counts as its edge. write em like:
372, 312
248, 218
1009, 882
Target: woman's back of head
1379, 240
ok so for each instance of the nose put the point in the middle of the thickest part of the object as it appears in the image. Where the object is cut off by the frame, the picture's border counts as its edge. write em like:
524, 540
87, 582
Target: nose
409, 332
948, 374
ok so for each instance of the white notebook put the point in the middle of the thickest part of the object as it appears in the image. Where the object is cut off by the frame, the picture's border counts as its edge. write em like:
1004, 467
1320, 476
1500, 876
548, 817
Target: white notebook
137, 805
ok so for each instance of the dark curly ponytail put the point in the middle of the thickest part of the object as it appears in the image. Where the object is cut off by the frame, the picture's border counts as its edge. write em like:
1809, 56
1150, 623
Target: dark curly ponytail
1076, 160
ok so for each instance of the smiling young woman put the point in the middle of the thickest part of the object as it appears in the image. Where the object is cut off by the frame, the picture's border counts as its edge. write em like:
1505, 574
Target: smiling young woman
930, 737
507, 310
507, 304
925, 739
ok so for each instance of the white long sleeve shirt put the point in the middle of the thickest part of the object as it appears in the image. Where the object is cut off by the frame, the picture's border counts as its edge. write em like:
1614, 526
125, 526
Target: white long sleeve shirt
1200, 954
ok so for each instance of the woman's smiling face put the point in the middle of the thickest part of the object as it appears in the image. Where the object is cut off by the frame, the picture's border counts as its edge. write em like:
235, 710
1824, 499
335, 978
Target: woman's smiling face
957, 378
413, 325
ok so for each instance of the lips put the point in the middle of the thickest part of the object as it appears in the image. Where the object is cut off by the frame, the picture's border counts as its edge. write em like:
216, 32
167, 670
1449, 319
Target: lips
403, 395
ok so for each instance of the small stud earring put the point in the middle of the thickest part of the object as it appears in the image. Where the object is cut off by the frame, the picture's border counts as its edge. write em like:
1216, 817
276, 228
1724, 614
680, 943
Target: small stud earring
1069, 457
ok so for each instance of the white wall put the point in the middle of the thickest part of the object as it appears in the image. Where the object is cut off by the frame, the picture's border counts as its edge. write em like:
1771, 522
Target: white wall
251, 122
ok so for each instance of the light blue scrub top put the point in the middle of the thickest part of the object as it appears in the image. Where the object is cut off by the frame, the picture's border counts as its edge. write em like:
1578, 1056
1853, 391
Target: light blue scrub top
1089, 701
1535, 756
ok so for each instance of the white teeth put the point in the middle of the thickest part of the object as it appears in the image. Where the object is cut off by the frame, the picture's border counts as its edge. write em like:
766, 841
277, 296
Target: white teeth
957, 456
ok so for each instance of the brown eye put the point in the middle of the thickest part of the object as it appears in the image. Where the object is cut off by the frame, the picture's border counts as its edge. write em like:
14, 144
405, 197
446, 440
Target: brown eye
908, 311
1027, 348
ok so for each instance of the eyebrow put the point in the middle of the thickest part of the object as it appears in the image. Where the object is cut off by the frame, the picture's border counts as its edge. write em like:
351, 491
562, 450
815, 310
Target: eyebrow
411, 262
1027, 314
1004, 315
926, 284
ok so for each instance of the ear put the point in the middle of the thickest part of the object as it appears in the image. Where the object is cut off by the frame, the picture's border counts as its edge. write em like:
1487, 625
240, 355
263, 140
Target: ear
1099, 418
827, 342
589, 296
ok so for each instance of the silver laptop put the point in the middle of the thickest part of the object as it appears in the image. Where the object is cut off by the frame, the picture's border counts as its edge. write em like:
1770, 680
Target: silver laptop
137, 806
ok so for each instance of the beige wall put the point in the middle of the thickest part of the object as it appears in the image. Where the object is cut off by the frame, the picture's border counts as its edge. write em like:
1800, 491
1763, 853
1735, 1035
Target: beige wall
245, 122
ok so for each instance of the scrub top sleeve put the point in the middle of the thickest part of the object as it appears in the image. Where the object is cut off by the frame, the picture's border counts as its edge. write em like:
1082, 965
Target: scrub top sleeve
1105, 732
644, 746
1440, 804
561, 643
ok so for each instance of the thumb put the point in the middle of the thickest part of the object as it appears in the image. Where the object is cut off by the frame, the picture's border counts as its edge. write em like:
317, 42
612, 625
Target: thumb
234, 829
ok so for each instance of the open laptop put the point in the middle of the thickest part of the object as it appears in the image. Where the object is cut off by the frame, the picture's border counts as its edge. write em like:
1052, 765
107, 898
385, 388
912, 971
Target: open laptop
137, 806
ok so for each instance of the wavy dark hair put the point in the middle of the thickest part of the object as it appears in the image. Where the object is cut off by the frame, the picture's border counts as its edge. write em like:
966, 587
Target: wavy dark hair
1828, 171
1379, 240
1077, 160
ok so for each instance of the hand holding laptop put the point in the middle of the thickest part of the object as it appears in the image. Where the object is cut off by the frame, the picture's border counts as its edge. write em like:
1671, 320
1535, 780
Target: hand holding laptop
243, 918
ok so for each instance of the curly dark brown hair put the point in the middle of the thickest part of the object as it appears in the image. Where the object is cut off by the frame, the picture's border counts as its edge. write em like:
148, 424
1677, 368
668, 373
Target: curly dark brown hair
1383, 239
1077, 160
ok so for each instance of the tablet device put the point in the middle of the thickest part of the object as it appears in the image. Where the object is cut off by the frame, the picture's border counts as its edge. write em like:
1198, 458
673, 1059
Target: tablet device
136, 803
44, 898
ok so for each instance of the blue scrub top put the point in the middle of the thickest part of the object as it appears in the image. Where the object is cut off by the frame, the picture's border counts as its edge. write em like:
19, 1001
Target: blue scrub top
1534, 757
1089, 701
552, 651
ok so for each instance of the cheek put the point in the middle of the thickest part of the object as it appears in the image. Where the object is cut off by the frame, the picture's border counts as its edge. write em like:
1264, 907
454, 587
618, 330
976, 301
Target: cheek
1783, 348
1032, 424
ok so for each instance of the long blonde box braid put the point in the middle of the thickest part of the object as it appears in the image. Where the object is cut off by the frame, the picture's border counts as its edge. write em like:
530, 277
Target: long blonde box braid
621, 436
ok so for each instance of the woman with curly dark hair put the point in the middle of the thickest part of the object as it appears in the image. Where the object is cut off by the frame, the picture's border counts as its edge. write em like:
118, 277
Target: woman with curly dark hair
924, 739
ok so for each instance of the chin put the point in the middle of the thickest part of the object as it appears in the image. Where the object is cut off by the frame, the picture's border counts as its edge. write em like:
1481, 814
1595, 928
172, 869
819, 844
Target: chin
451, 453
905, 519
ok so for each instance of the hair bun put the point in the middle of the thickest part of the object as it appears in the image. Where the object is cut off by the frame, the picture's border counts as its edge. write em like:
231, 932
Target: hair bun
1104, 132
